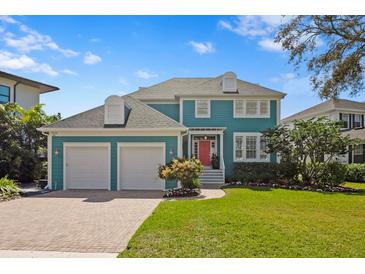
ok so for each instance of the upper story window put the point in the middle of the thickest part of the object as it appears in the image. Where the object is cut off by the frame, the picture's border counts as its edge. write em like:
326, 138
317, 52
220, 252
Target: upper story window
357, 120
250, 147
4, 94
202, 108
251, 108
345, 118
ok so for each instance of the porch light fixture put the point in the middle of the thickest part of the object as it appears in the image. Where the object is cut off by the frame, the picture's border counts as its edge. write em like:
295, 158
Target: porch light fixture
171, 152
56, 152
205, 137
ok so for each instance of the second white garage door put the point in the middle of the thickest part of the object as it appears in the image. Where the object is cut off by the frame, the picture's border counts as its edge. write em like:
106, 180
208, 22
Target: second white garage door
86, 166
138, 166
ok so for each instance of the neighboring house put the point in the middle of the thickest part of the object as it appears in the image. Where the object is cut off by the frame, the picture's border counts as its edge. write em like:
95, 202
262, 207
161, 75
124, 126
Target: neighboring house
21, 90
121, 144
350, 112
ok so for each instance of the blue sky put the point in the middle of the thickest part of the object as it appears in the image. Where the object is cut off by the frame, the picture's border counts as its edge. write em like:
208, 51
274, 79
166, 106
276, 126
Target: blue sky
92, 57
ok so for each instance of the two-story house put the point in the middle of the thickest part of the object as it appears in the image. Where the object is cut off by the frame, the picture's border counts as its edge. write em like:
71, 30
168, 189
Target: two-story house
120, 144
351, 113
21, 90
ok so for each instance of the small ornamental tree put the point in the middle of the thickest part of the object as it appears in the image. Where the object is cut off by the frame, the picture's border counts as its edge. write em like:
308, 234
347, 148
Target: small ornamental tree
186, 171
309, 145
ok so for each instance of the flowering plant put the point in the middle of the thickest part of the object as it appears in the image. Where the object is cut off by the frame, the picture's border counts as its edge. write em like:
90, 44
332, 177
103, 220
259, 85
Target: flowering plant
186, 171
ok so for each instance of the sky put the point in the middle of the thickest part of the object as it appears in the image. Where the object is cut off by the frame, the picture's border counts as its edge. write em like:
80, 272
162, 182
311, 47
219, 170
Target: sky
92, 57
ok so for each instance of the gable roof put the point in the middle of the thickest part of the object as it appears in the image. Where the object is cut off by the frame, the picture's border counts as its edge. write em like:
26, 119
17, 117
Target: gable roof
140, 116
332, 104
41, 86
211, 86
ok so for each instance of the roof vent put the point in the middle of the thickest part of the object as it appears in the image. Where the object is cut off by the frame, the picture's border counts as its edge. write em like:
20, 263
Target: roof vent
114, 111
229, 82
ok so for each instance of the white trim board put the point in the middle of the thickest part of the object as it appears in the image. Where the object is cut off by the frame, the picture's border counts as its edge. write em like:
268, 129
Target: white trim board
139, 144
85, 144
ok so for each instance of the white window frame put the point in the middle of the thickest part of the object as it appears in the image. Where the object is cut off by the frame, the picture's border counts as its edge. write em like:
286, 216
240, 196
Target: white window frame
196, 109
359, 116
348, 120
244, 158
258, 111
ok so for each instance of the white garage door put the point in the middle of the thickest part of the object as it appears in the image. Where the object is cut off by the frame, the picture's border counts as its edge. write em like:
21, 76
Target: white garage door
138, 166
87, 166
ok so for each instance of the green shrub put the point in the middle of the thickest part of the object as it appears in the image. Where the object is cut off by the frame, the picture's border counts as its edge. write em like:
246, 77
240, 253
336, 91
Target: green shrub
330, 175
288, 172
255, 172
355, 173
8, 188
186, 171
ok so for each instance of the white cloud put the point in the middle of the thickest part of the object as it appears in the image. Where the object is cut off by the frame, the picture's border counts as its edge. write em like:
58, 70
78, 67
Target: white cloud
144, 74
253, 26
23, 62
123, 81
32, 40
69, 72
8, 19
91, 59
268, 44
284, 77
95, 40
202, 47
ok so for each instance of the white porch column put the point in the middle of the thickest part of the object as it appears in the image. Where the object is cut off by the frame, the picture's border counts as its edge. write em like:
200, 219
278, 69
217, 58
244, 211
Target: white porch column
221, 149
49, 160
189, 145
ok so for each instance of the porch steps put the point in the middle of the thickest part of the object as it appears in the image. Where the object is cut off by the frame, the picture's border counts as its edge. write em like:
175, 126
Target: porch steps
211, 176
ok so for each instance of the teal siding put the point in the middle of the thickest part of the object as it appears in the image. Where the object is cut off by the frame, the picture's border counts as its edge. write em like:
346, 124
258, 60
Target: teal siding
170, 110
222, 116
57, 161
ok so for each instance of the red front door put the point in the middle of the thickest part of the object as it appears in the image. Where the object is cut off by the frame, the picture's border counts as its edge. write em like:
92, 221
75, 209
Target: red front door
204, 152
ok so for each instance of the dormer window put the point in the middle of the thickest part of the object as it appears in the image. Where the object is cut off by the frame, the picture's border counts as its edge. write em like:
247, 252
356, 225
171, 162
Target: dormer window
202, 108
229, 82
114, 111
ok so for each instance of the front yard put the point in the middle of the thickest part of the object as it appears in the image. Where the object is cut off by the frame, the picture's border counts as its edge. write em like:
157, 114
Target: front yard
256, 223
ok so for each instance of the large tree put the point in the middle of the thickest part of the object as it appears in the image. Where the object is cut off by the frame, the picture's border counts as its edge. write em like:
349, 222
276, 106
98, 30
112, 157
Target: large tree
332, 47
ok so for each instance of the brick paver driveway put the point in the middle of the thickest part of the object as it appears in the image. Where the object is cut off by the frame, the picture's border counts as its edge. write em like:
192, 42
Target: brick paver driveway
75, 221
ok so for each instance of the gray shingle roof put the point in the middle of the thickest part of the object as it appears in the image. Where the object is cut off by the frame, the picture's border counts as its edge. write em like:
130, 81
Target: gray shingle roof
355, 133
176, 87
328, 105
140, 116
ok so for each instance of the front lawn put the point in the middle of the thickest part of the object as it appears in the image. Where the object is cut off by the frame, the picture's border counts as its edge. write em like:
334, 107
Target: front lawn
255, 223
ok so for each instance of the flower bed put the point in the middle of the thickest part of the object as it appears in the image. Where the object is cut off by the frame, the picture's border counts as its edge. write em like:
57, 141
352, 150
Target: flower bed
294, 187
181, 192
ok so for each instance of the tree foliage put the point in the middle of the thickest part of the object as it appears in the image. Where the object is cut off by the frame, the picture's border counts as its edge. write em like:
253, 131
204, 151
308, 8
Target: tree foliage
20, 141
309, 144
333, 49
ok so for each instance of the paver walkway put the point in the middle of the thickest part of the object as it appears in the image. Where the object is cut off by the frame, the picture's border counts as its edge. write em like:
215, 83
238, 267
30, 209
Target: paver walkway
75, 221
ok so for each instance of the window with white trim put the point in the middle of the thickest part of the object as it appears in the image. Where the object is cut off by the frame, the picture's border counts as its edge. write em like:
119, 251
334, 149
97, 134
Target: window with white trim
345, 118
250, 147
358, 150
202, 108
251, 108
357, 120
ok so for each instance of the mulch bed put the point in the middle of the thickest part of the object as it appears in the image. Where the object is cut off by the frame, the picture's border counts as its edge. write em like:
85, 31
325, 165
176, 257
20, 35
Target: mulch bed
181, 192
294, 187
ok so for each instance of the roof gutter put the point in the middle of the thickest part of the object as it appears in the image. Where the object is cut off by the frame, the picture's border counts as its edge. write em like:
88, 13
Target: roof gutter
14, 89
45, 129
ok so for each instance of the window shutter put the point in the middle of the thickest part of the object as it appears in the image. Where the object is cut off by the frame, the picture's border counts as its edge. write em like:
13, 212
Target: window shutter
362, 120
350, 154
340, 116
350, 121
239, 106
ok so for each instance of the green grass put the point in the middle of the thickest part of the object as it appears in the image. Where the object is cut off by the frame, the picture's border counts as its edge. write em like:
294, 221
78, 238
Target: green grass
355, 185
255, 223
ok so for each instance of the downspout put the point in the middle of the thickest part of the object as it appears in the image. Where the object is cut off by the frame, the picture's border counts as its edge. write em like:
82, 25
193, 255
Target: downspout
14, 89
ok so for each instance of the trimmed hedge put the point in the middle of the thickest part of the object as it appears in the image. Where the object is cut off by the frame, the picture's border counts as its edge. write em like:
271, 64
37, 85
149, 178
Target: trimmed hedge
265, 172
355, 173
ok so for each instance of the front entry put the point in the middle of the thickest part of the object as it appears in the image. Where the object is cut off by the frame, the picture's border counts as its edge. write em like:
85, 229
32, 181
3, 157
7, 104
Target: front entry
204, 152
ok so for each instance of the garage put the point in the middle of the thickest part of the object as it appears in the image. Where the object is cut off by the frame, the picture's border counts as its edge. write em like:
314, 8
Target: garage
138, 164
86, 166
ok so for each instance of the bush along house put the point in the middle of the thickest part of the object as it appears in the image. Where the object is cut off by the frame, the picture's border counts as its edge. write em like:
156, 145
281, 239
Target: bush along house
121, 144
351, 113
